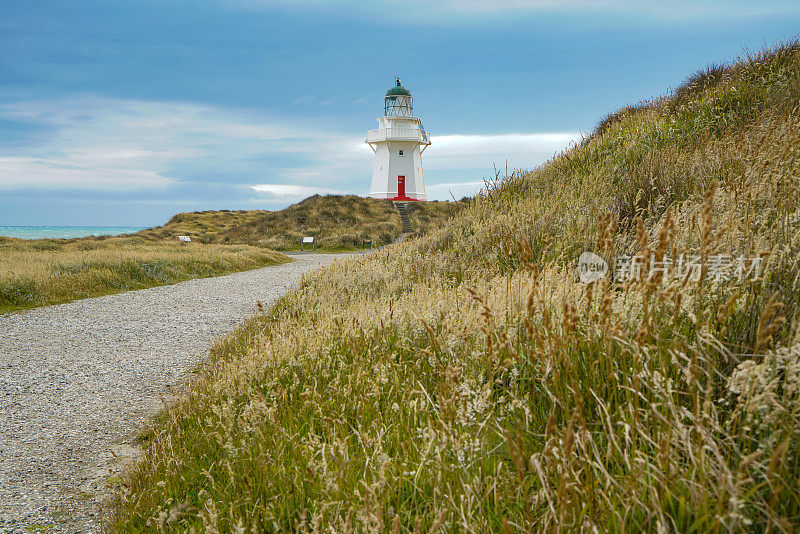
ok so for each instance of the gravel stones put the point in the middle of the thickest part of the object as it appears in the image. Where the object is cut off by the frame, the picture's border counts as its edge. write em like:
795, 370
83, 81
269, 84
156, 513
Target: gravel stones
79, 380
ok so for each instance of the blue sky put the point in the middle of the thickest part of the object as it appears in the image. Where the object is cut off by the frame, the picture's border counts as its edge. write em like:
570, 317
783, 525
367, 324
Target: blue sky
126, 112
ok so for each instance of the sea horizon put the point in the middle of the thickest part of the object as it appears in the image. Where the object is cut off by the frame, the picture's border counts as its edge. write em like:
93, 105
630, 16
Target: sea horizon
65, 232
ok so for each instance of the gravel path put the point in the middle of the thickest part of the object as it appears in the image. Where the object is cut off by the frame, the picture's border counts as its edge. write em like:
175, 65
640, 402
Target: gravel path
79, 380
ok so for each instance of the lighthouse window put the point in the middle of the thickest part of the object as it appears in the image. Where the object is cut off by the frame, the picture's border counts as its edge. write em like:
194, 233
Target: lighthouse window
401, 152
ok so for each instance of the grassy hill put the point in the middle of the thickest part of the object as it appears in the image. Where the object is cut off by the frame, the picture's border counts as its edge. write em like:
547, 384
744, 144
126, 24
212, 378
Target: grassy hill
338, 222
467, 381
201, 226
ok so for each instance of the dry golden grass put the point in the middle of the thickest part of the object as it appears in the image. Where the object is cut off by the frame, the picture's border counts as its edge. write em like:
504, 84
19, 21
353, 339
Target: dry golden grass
466, 381
51, 271
339, 222
201, 225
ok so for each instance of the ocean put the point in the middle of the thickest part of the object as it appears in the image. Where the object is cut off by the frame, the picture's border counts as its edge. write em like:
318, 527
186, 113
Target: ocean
64, 232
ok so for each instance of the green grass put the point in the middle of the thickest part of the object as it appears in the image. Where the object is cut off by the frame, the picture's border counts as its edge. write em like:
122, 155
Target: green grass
40, 527
466, 381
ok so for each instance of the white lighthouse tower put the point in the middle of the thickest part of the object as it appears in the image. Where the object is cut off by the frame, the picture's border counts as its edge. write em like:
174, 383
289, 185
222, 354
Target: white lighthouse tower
398, 144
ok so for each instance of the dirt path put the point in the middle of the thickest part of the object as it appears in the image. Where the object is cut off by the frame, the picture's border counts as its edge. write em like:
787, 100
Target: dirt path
79, 380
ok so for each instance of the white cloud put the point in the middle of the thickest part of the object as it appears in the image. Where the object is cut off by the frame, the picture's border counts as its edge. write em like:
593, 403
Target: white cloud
447, 185
453, 190
18, 173
521, 150
111, 145
289, 192
414, 6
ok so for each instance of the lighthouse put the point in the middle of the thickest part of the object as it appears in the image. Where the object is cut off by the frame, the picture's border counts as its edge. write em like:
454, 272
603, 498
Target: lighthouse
398, 144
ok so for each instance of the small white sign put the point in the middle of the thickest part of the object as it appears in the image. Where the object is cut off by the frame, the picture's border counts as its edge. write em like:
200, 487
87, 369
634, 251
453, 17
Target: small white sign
591, 267
185, 238
308, 240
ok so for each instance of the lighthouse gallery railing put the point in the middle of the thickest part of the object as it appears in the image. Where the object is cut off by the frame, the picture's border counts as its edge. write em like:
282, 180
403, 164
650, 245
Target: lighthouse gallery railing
383, 134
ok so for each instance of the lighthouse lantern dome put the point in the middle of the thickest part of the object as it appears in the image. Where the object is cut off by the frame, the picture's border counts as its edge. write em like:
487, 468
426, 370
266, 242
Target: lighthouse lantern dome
397, 102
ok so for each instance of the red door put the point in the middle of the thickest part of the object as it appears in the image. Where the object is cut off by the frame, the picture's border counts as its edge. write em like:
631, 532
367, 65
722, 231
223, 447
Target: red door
401, 186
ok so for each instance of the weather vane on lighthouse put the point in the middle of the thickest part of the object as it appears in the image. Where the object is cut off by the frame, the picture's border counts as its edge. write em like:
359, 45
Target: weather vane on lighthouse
398, 144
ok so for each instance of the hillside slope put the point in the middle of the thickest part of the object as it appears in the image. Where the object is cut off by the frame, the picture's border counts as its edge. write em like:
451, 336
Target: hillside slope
201, 225
468, 381
339, 222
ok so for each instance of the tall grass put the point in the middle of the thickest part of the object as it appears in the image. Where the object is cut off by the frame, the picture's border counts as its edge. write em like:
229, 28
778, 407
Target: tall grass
467, 381
52, 271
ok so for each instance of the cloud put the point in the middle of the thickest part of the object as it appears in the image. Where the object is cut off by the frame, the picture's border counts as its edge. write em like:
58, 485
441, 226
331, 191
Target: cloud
22, 173
447, 185
101, 147
289, 192
113, 144
521, 150
451, 190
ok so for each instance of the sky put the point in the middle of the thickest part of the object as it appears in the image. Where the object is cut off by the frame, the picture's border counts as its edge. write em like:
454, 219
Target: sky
123, 113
